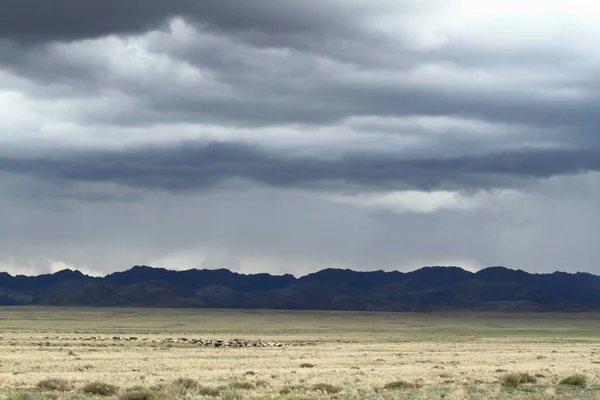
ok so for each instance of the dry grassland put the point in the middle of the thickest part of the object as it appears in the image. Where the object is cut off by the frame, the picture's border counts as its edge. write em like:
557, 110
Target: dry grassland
345, 355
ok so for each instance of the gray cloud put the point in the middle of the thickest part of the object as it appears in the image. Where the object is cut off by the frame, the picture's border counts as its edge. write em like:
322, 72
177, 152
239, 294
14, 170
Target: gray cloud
196, 167
288, 231
220, 78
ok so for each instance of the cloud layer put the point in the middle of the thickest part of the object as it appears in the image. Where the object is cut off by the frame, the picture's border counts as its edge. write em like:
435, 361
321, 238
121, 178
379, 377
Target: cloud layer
291, 136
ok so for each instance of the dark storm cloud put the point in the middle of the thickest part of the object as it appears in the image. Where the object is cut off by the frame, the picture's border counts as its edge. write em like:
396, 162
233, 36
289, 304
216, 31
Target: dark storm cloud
306, 81
333, 101
194, 167
35, 20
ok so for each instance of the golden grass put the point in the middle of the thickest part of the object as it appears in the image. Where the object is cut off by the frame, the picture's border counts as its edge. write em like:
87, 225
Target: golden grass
457, 355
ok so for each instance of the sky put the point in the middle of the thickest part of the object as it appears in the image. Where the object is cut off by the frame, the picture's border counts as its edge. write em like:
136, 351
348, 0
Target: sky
290, 136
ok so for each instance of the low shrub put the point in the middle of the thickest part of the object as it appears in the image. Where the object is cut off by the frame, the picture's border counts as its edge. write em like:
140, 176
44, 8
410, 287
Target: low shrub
517, 378
209, 391
242, 385
400, 385
292, 388
327, 388
185, 383
285, 390
28, 396
58, 384
231, 394
100, 389
575, 380
138, 393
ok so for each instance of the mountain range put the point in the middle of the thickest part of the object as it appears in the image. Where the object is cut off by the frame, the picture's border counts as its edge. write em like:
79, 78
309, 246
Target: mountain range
426, 289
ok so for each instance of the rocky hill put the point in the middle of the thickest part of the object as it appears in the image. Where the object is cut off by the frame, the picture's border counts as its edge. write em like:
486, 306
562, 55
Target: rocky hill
426, 289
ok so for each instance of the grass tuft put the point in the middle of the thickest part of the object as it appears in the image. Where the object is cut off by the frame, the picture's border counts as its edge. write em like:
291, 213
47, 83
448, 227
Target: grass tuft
30, 396
185, 384
285, 390
231, 394
138, 393
58, 384
575, 380
242, 385
401, 385
292, 388
209, 391
327, 388
100, 389
517, 378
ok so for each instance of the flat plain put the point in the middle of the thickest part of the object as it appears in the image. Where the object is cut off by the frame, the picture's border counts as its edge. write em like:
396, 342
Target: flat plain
55, 353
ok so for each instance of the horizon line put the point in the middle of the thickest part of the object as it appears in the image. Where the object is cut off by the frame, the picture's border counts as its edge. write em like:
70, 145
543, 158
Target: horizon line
289, 274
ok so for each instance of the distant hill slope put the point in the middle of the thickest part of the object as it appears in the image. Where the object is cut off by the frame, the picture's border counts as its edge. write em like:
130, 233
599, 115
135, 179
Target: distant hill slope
426, 289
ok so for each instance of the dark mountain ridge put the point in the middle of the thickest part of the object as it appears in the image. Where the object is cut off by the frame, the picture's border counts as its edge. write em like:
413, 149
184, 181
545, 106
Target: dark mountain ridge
426, 289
